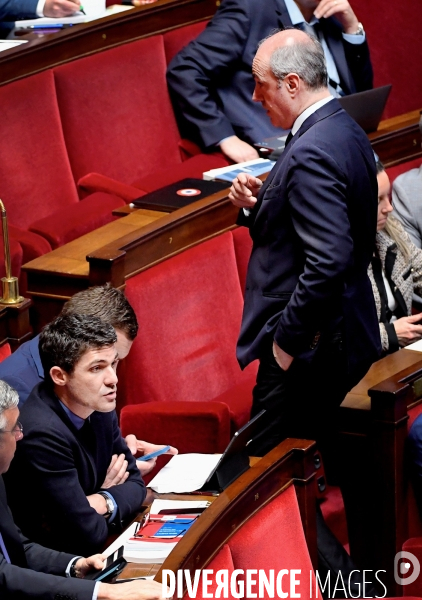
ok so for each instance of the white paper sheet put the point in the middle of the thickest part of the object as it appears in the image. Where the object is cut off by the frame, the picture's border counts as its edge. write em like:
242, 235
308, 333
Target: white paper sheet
184, 473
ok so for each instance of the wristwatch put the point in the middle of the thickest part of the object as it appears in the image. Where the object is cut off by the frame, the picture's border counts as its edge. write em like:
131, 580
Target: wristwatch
360, 30
109, 504
72, 570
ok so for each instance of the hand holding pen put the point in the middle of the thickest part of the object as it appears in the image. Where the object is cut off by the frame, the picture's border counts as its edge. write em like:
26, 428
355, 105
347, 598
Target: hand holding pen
61, 8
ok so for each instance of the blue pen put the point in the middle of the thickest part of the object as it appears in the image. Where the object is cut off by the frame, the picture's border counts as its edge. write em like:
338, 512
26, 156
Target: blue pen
51, 26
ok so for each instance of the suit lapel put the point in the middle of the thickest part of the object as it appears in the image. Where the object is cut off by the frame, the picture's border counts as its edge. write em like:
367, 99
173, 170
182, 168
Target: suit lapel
325, 111
282, 14
322, 113
9, 532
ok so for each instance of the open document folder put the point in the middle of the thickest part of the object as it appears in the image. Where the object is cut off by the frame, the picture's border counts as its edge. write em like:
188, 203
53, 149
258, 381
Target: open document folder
208, 472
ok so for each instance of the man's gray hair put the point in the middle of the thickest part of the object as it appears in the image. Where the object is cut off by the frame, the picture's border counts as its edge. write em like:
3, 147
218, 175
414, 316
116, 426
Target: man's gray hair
9, 398
306, 59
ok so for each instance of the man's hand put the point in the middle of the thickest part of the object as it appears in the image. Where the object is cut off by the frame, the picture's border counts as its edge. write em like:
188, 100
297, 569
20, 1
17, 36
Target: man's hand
84, 565
408, 329
283, 359
139, 447
117, 472
132, 590
60, 8
342, 11
238, 151
244, 190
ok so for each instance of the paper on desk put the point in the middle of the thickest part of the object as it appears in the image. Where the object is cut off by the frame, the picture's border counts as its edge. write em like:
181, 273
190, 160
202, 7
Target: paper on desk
73, 20
184, 473
7, 44
159, 505
415, 346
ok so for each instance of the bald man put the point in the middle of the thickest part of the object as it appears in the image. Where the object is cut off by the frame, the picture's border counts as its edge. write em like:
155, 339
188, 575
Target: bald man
309, 315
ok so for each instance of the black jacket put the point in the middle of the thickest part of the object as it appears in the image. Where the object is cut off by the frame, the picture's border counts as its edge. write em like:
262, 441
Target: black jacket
55, 468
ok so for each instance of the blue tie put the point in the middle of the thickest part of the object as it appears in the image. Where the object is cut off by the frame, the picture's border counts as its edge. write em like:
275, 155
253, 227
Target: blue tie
3, 549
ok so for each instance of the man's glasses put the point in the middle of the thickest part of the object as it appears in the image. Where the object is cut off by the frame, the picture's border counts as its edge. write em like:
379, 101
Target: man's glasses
17, 430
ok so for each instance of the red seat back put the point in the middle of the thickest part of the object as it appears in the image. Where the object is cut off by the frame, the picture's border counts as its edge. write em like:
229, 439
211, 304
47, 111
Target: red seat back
178, 38
116, 112
189, 310
35, 175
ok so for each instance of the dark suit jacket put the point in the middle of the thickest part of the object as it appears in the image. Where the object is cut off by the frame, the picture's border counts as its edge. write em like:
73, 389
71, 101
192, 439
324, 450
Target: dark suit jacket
313, 231
210, 80
55, 466
34, 571
12, 10
23, 369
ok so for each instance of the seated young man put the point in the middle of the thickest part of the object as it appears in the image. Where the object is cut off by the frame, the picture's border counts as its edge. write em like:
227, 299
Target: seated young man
74, 479
29, 571
23, 369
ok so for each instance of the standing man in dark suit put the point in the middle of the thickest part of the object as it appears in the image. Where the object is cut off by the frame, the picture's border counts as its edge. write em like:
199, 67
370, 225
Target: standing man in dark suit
309, 315
210, 80
29, 571
82, 477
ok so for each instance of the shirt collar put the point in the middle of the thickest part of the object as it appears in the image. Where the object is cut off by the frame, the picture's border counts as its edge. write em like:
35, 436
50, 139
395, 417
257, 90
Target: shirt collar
308, 112
295, 15
78, 422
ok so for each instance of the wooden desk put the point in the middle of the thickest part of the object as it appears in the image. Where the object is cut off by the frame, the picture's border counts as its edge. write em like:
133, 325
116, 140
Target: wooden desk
89, 38
358, 397
121, 249
373, 431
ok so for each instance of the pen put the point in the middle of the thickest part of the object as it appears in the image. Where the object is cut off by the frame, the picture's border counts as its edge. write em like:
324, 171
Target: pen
81, 9
50, 26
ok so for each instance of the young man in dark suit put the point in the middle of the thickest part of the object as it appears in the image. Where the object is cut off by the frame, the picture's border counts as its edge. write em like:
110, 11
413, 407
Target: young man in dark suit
210, 80
309, 315
23, 369
30, 571
81, 476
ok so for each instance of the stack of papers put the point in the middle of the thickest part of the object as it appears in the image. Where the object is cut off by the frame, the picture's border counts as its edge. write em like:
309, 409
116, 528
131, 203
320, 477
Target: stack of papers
157, 552
256, 167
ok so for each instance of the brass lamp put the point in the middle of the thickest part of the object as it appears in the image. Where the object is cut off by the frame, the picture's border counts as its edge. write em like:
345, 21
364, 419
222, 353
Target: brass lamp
10, 284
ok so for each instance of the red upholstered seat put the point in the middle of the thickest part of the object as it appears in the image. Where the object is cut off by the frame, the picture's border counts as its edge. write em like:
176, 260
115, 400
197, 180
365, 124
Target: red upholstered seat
397, 170
35, 174
125, 127
206, 428
5, 351
177, 39
189, 308
242, 247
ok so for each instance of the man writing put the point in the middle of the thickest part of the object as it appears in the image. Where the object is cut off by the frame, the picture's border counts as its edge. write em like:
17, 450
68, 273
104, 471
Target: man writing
81, 478
23, 369
28, 570
210, 80
309, 314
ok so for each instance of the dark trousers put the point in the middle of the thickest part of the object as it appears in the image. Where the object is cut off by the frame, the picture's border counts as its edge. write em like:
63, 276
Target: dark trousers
302, 402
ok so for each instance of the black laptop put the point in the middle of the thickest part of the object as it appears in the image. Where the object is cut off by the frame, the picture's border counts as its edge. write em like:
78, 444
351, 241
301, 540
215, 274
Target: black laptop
366, 108
179, 194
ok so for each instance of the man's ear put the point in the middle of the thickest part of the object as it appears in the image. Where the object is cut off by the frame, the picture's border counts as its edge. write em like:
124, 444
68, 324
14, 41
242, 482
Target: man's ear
292, 82
58, 376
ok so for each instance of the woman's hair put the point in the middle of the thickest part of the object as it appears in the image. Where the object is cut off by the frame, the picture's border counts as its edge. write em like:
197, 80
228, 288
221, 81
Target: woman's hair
392, 228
